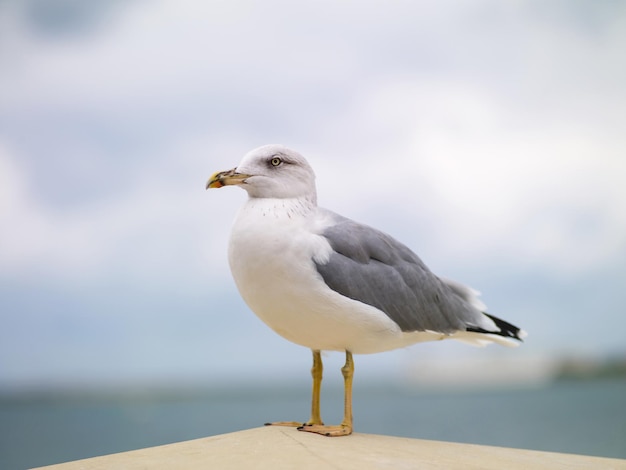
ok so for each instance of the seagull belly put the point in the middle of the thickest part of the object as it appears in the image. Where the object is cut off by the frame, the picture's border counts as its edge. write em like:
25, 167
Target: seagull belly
271, 259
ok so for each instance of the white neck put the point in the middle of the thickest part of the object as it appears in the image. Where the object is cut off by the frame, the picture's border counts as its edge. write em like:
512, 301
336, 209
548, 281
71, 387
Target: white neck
281, 208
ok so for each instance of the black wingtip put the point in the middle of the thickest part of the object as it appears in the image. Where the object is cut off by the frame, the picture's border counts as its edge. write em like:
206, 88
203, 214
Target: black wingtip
506, 329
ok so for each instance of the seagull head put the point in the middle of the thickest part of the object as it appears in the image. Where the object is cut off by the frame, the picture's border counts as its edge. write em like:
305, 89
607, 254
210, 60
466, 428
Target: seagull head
271, 171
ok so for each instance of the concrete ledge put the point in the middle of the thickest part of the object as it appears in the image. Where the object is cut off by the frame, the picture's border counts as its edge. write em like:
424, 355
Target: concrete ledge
278, 448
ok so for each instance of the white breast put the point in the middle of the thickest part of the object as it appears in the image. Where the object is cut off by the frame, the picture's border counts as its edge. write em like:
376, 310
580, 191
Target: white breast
271, 251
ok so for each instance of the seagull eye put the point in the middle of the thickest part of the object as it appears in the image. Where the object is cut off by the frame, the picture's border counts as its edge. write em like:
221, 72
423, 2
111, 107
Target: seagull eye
276, 161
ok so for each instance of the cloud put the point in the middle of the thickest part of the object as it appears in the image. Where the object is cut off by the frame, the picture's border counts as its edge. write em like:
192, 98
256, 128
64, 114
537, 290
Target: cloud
506, 148
159, 229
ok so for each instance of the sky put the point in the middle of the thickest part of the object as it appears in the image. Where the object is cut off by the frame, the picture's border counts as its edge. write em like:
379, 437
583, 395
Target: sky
487, 136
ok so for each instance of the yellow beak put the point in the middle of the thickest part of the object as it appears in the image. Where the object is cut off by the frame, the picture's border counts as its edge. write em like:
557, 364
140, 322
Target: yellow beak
226, 178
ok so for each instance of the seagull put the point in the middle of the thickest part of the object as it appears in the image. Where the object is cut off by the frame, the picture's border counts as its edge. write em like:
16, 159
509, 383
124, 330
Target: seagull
328, 283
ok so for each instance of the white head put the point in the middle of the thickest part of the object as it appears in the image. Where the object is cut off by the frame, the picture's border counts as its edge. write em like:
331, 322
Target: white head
271, 171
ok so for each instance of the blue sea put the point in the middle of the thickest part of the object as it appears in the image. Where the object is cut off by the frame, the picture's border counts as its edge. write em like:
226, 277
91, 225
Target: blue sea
582, 417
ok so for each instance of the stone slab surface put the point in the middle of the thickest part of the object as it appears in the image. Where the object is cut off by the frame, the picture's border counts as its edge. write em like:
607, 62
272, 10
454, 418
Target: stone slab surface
278, 448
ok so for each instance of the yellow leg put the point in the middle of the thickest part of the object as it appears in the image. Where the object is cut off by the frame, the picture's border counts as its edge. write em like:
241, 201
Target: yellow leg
316, 419
345, 428
316, 372
348, 372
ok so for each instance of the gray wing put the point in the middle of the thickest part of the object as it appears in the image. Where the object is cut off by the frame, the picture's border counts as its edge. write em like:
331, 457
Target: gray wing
370, 266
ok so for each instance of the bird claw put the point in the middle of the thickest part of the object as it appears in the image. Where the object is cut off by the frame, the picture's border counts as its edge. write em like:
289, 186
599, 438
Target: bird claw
328, 431
291, 424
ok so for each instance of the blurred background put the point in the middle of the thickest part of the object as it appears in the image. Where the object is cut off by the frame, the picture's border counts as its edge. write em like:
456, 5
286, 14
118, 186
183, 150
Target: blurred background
488, 136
